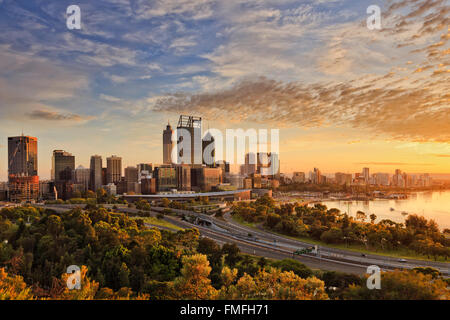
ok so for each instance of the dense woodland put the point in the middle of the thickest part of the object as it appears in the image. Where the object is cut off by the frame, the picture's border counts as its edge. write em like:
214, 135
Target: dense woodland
121, 258
331, 226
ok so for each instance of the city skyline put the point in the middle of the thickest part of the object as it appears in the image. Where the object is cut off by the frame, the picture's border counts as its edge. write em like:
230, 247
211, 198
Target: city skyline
237, 166
314, 70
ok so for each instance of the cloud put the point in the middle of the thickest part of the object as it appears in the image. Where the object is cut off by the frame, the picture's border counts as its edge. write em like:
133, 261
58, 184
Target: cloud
394, 83
194, 9
110, 98
442, 155
403, 113
56, 116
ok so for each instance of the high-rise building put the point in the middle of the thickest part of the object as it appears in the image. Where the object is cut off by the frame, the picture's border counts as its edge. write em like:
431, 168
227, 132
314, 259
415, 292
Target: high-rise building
317, 176
113, 169
381, 179
256, 181
167, 145
204, 178
23, 179
249, 167
63, 165
343, 178
190, 128
183, 177
145, 171
131, 174
47, 190
96, 173
129, 181
22, 156
225, 166
148, 186
299, 177
145, 167
104, 183
166, 178
397, 178
366, 175
82, 177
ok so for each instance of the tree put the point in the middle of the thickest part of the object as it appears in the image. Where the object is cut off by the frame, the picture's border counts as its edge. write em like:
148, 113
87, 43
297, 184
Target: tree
165, 202
275, 284
101, 195
231, 250
55, 225
373, 217
194, 282
293, 265
334, 235
13, 287
90, 194
402, 285
360, 216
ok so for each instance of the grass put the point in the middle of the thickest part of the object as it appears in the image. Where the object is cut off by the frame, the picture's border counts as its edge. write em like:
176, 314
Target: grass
241, 221
159, 223
399, 253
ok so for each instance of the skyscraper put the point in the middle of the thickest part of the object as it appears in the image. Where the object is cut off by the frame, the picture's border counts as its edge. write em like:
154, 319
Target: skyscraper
63, 165
145, 170
366, 175
145, 167
167, 145
23, 180
22, 156
113, 169
249, 167
96, 173
189, 152
82, 176
131, 174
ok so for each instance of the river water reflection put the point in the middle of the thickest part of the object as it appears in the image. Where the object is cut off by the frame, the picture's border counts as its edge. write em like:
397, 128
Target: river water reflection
432, 205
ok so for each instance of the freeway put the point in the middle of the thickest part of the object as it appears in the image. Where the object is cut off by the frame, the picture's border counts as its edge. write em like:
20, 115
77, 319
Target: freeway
326, 253
263, 243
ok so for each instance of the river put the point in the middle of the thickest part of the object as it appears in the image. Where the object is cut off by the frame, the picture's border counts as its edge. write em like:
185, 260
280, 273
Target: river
431, 204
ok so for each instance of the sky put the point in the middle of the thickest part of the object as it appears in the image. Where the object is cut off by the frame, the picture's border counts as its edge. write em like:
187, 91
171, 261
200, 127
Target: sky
343, 96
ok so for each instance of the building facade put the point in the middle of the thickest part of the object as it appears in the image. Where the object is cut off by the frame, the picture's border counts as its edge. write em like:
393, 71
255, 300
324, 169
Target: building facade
82, 176
113, 169
23, 179
189, 140
167, 145
166, 178
96, 173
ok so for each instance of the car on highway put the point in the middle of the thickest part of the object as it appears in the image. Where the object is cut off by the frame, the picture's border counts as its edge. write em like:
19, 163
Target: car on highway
402, 260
